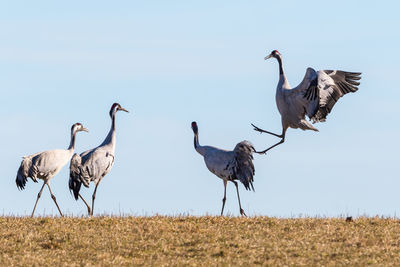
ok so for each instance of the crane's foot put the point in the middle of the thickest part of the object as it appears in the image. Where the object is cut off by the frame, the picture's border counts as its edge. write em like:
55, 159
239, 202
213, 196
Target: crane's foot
255, 128
262, 152
264, 131
89, 211
242, 213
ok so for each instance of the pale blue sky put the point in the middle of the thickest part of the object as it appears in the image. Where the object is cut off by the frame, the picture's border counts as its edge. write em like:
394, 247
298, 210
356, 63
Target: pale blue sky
172, 62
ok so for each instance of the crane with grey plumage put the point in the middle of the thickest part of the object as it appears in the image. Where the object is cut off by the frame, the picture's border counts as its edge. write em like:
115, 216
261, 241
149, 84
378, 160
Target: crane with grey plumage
228, 165
315, 97
45, 165
94, 164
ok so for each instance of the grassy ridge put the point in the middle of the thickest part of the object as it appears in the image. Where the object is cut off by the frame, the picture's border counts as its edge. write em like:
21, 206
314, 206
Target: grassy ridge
198, 241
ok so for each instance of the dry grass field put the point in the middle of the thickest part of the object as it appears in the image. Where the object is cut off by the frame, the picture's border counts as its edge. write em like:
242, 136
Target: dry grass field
158, 241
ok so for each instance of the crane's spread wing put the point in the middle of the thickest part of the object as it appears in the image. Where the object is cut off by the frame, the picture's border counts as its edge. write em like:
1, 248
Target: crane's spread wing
319, 91
244, 167
305, 96
332, 85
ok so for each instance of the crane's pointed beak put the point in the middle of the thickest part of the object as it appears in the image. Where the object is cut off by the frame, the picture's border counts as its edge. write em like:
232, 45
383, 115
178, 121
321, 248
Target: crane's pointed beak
121, 108
267, 57
85, 129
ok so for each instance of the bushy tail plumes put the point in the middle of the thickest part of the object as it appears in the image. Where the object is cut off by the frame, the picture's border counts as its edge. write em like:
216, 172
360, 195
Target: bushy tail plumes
21, 178
25, 171
244, 169
74, 175
75, 186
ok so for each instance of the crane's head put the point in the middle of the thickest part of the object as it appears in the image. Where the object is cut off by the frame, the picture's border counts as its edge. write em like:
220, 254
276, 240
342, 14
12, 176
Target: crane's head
274, 54
78, 127
194, 127
116, 107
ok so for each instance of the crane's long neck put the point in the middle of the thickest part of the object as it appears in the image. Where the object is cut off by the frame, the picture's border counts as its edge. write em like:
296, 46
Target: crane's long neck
200, 149
110, 138
283, 82
72, 143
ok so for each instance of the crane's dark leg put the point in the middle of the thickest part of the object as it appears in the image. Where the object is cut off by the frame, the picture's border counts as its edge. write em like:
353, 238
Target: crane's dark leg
280, 142
240, 206
84, 201
55, 201
224, 199
37, 199
93, 198
264, 131
265, 151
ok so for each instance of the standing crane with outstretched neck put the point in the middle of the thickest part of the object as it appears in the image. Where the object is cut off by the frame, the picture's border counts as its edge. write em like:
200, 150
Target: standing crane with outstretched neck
315, 97
45, 165
94, 164
228, 165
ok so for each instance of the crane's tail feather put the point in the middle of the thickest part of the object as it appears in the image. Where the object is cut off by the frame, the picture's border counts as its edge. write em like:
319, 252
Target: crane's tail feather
74, 175
74, 187
21, 180
244, 164
25, 171
305, 125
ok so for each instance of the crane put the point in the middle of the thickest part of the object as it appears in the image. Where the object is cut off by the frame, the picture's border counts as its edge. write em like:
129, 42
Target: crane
94, 164
45, 165
228, 165
315, 97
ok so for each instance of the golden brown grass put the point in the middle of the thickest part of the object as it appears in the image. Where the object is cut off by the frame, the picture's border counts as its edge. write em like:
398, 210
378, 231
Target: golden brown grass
157, 241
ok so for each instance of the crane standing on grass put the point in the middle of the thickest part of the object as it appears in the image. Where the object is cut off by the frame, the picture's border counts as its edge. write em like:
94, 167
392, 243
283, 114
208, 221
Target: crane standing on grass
228, 165
94, 164
45, 165
315, 97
